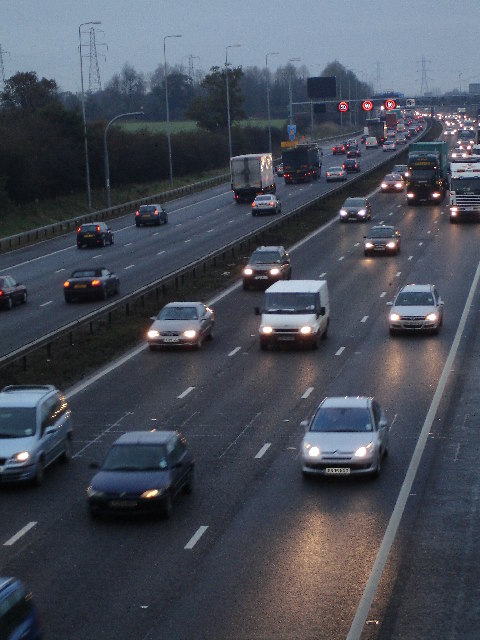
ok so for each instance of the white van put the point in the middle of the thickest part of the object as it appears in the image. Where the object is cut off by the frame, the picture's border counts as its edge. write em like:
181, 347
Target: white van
371, 142
295, 311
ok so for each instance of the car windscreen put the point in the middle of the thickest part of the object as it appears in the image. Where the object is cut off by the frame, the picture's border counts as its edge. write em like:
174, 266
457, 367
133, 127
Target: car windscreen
289, 302
414, 299
380, 233
135, 457
86, 273
354, 202
342, 419
178, 313
265, 257
17, 422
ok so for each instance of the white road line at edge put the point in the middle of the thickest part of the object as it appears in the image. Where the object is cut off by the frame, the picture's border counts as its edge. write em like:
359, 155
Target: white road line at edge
307, 393
263, 450
185, 393
340, 351
196, 537
234, 351
373, 581
19, 534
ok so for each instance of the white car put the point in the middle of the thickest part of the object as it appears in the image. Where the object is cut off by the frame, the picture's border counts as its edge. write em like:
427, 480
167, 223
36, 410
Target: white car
389, 145
267, 203
417, 307
181, 324
371, 142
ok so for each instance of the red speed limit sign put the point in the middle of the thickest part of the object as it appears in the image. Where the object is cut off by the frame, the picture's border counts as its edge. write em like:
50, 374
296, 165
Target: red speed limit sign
343, 106
390, 104
367, 105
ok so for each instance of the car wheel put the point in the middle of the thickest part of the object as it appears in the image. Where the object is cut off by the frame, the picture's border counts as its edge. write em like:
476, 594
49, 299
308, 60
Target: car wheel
111, 239
210, 334
254, 213
104, 242
325, 333
137, 224
378, 468
9, 303
189, 484
199, 343
157, 222
39, 473
392, 331
79, 246
67, 452
105, 293
366, 253
24, 297
168, 506
245, 286
68, 299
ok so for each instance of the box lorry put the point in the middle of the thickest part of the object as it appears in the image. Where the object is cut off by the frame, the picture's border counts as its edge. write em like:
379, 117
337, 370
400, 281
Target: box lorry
464, 191
427, 171
377, 128
252, 174
302, 163
295, 312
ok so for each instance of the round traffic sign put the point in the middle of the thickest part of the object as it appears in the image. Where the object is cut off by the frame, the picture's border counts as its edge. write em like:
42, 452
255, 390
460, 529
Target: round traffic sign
390, 104
343, 106
367, 105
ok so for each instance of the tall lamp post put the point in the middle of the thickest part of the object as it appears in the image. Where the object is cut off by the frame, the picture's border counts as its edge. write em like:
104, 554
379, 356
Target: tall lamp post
105, 151
290, 97
230, 46
270, 53
87, 166
168, 115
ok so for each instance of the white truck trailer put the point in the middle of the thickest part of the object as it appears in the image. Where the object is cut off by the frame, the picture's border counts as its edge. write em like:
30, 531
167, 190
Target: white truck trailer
252, 174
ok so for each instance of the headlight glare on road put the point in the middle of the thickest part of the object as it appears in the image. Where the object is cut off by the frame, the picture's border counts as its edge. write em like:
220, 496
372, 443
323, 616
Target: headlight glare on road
153, 333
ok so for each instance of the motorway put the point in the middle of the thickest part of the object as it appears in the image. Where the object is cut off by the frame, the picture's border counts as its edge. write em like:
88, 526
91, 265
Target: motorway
198, 224
256, 552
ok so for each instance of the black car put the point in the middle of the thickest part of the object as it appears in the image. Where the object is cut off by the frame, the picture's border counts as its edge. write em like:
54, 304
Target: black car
150, 214
143, 472
265, 266
94, 282
356, 209
11, 292
351, 165
354, 152
382, 239
94, 234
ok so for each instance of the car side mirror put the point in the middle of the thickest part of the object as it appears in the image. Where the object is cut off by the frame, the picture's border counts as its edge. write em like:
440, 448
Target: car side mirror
257, 311
322, 311
440, 302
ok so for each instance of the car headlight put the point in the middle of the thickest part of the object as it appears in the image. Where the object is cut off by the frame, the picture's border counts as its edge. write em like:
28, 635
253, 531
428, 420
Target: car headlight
93, 493
368, 245
362, 212
384, 185
153, 333
399, 185
391, 245
362, 452
313, 452
248, 271
410, 195
394, 317
21, 457
453, 210
152, 493
343, 213
306, 330
432, 317
275, 271
435, 194
266, 330
190, 333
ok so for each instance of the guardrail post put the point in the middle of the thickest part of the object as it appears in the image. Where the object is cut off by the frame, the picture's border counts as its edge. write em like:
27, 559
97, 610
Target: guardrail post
91, 328
24, 361
70, 337
127, 309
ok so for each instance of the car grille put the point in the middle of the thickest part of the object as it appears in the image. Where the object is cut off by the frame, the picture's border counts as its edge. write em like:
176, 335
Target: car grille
170, 333
279, 331
412, 318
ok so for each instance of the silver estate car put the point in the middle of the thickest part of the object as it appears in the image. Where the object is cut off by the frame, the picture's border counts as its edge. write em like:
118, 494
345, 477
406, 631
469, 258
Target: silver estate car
181, 324
346, 436
417, 307
35, 430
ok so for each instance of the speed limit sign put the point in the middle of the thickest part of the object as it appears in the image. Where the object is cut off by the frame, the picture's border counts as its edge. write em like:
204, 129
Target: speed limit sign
343, 106
390, 104
367, 105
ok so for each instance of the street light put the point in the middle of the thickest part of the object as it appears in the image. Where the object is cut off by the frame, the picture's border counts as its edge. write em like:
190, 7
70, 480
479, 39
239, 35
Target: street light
168, 116
87, 167
105, 150
230, 46
290, 89
270, 53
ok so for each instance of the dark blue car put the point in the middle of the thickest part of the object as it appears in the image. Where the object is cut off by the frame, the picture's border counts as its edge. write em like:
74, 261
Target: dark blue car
143, 472
19, 618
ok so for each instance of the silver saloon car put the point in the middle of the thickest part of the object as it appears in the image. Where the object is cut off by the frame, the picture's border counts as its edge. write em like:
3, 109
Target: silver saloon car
417, 307
178, 324
346, 436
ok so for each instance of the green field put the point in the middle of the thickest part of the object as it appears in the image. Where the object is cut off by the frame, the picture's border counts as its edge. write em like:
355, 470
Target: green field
190, 125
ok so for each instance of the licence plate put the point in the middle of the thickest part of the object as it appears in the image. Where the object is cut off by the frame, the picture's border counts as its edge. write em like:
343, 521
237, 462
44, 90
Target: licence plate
286, 338
413, 325
88, 235
123, 504
170, 339
80, 286
146, 215
338, 470
261, 277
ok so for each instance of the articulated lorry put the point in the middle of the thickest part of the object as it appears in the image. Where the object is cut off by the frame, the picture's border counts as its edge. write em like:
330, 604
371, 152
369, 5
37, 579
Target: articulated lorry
252, 174
302, 163
428, 172
464, 191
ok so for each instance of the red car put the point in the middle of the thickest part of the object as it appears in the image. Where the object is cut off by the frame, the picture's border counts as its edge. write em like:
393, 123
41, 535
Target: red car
11, 292
338, 148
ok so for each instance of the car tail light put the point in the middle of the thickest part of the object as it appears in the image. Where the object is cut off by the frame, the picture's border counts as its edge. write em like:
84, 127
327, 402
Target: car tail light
137, 214
96, 283
66, 284
79, 229
98, 228
156, 213
253, 204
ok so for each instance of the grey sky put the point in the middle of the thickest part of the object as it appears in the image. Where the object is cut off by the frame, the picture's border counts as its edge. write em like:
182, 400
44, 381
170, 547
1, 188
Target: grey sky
42, 36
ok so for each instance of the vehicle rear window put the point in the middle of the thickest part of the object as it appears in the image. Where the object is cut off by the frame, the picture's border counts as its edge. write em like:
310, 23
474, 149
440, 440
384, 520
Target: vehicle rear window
148, 208
17, 422
88, 227
344, 419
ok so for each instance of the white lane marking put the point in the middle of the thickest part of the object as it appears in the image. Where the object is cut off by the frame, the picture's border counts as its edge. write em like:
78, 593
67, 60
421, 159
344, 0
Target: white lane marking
96, 257
382, 222
247, 426
391, 213
307, 392
60, 270
234, 351
160, 253
356, 244
130, 266
420, 244
398, 206
196, 537
340, 351
154, 234
262, 451
46, 303
101, 434
230, 221
383, 294
410, 257
429, 231
179, 224
185, 393
398, 274
128, 244
19, 534
364, 319
210, 230
341, 258
361, 614
189, 240
322, 275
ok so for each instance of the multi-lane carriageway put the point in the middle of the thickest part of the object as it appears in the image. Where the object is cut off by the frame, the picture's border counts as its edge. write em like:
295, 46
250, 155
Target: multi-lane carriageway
255, 552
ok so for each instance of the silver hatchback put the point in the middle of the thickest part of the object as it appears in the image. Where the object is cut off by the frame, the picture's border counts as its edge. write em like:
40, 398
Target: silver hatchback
35, 430
179, 324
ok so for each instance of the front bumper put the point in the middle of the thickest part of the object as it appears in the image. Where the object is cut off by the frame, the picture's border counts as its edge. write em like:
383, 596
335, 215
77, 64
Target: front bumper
339, 468
293, 337
17, 473
126, 504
